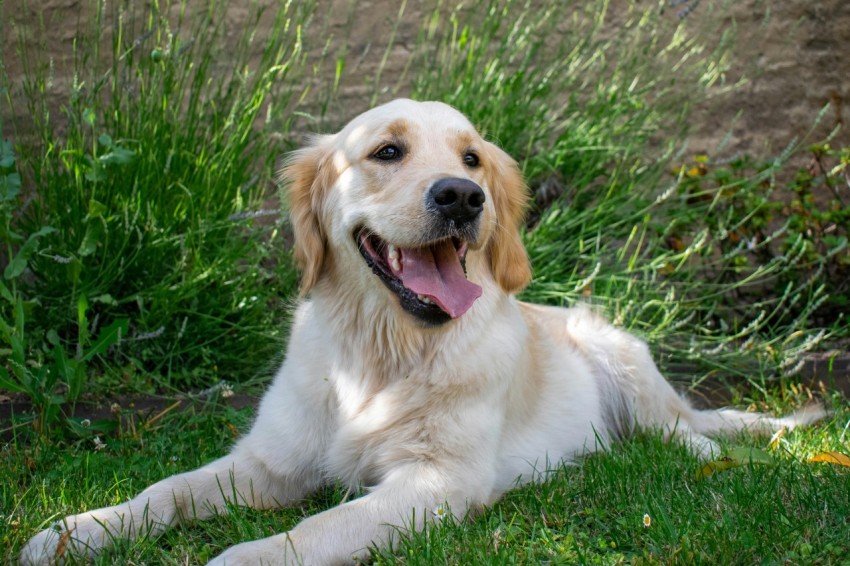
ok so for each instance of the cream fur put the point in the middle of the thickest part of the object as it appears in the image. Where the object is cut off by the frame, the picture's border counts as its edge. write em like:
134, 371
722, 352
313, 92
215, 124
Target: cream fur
419, 416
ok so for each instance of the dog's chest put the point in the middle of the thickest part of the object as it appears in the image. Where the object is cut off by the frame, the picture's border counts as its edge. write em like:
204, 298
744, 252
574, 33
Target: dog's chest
376, 431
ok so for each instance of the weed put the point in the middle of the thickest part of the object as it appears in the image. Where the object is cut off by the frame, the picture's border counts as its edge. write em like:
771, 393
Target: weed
148, 187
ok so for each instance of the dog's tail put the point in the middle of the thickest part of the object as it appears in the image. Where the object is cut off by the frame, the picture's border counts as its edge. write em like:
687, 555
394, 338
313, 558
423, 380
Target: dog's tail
635, 394
726, 421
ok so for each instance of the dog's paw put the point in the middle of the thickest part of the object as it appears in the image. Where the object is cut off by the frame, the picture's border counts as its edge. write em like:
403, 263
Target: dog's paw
62, 541
270, 551
47, 547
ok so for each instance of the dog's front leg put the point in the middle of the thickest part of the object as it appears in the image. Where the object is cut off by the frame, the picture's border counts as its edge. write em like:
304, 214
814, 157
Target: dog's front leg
238, 479
343, 534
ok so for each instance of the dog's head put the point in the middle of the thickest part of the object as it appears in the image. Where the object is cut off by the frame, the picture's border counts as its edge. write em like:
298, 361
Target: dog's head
409, 193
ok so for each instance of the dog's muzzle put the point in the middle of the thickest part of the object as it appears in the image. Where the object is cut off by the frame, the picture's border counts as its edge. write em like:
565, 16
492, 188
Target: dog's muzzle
430, 277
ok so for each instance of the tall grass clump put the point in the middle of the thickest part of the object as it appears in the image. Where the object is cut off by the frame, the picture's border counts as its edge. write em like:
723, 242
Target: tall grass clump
597, 116
139, 248
141, 202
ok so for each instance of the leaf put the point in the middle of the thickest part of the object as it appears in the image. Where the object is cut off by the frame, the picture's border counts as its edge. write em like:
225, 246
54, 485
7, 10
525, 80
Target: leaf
752, 456
52, 337
712, 468
9, 385
109, 336
106, 299
734, 459
89, 116
105, 140
45, 230
96, 209
96, 174
92, 237
6, 293
7, 154
73, 374
118, 156
19, 262
82, 321
10, 186
73, 270
832, 458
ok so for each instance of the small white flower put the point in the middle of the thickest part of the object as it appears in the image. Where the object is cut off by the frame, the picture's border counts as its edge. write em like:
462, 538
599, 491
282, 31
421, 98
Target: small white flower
85, 423
226, 391
439, 512
647, 521
98, 444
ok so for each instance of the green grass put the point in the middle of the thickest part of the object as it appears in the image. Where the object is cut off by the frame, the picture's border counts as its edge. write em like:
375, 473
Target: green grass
794, 512
137, 257
151, 185
150, 177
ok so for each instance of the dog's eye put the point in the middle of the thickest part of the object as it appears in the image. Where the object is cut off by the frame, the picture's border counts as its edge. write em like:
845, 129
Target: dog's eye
388, 153
470, 159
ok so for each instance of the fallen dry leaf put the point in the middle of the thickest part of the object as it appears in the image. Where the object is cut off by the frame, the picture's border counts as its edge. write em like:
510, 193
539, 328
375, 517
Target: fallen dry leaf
832, 458
64, 538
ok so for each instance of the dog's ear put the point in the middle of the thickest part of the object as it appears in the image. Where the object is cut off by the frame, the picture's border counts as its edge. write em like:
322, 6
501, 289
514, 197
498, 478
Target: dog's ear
307, 175
508, 258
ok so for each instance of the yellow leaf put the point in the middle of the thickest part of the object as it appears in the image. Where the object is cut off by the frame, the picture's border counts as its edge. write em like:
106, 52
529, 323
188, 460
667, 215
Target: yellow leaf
832, 458
711, 468
774, 440
734, 458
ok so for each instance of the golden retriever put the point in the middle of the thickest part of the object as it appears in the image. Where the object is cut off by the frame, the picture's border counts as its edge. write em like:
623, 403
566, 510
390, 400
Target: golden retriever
412, 370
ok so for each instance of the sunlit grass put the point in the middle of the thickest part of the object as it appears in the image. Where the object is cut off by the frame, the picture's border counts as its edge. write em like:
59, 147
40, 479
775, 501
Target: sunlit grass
592, 512
155, 179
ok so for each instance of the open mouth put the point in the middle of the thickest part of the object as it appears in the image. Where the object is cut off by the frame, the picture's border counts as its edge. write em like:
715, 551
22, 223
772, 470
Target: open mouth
430, 280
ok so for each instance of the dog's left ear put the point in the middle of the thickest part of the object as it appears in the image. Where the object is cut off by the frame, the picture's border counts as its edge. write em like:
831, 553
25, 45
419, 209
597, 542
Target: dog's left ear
508, 258
307, 176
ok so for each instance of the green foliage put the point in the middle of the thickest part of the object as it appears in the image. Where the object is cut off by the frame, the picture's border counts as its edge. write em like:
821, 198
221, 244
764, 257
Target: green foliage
553, 87
667, 259
767, 214
151, 186
60, 380
143, 199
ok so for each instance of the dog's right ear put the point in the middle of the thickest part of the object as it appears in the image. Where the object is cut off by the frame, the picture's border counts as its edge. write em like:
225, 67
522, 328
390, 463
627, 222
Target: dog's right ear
307, 175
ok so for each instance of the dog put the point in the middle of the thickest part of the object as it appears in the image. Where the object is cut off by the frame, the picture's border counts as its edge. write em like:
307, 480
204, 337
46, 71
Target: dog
412, 371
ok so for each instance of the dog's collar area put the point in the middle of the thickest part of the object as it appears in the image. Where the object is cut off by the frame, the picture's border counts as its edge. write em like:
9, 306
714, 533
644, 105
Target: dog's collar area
429, 280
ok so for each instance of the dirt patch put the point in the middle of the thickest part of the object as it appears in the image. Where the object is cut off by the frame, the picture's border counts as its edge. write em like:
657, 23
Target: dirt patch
821, 372
791, 56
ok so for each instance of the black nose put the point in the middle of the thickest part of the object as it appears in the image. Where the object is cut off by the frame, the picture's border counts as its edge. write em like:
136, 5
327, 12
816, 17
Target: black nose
460, 200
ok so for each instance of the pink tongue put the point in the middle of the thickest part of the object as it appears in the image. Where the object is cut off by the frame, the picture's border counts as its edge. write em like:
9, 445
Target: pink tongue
435, 272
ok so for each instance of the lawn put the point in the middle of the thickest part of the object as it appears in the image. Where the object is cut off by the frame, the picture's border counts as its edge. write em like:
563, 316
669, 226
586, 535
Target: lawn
791, 511
143, 254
